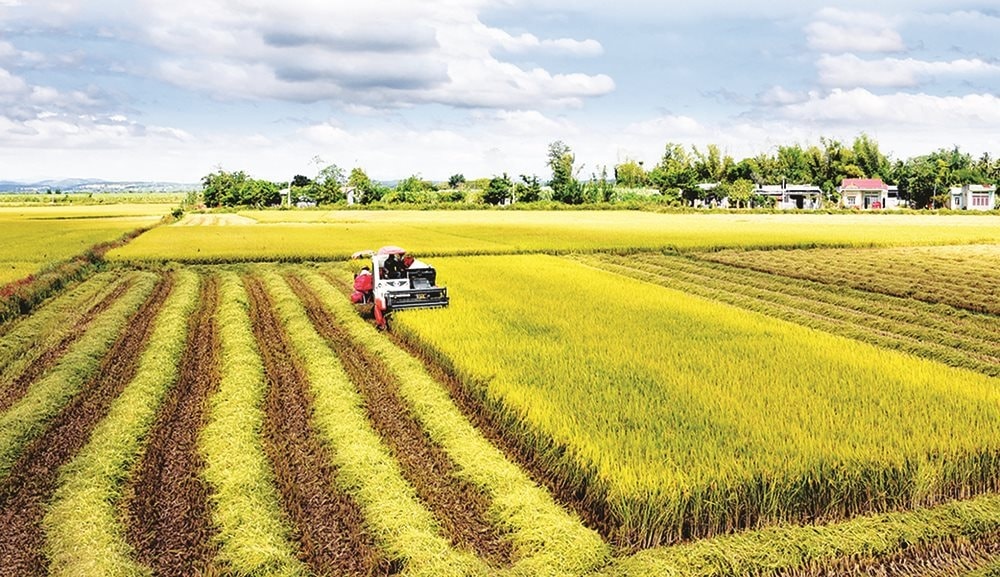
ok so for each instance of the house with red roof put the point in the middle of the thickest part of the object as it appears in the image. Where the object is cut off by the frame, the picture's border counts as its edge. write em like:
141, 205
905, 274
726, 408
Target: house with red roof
868, 194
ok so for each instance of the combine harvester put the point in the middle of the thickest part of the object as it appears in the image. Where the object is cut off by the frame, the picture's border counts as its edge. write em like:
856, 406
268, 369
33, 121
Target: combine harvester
397, 282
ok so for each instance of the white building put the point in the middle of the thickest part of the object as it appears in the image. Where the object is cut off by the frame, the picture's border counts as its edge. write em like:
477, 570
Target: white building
868, 194
972, 197
792, 196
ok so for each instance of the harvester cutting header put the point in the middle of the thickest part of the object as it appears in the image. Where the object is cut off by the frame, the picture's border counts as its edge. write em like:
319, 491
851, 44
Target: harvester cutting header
397, 281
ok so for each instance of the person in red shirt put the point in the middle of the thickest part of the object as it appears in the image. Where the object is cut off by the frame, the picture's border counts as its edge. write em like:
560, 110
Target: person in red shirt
362, 286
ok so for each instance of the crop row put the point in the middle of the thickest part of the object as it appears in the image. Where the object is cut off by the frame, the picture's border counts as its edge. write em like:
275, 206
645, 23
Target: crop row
937, 332
965, 276
275, 428
678, 416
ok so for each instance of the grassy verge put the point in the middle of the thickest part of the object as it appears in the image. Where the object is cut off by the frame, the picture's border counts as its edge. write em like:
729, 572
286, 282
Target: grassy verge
28, 416
84, 536
405, 528
254, 536
547, 540
791, 548
28, 337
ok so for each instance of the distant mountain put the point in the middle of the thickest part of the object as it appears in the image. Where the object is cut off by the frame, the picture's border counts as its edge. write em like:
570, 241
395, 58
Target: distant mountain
91, 185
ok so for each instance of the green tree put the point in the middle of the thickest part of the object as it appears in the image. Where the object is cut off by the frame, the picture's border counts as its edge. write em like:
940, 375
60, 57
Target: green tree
869, 158
600, 188
926, 179
711, 165
223, 188
365, 191
456, 180
631, 174
792, 163
499, 191
675, 173
528, 190
565, 186
328, 186
741, 192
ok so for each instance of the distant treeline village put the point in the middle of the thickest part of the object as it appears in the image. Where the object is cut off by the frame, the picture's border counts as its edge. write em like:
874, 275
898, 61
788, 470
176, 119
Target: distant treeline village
828, 175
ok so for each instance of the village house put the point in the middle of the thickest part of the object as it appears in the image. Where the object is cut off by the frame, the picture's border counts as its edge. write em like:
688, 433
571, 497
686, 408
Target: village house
972, 197
868, 194
792, 196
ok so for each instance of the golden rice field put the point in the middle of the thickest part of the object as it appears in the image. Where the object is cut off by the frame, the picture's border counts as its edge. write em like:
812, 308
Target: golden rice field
609, 394
32, 237
324, 235
689, 417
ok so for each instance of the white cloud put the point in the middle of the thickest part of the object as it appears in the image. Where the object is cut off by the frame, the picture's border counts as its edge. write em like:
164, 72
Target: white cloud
383, 54
860, 108
842, 31
849, 71
528, 42
778, 95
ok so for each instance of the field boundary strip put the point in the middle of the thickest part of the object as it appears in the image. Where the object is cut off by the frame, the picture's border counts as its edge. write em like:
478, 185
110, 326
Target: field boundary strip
252, 533
63, 432
84, 532
405, 528
547, 540
329, 525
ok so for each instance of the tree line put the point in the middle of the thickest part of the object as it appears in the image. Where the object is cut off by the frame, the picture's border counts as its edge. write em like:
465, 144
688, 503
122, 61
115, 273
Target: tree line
924, 180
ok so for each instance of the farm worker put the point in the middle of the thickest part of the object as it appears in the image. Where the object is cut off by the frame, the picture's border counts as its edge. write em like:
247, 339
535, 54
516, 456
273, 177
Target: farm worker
362, 286
394, 267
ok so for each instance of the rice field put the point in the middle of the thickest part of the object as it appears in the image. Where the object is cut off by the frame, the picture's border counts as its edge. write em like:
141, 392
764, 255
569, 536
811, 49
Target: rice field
687, 417
608, 395
966, 276
323, 235
34, 237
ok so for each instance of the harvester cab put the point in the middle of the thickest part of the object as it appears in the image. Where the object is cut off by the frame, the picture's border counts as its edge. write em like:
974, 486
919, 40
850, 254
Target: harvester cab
400, 282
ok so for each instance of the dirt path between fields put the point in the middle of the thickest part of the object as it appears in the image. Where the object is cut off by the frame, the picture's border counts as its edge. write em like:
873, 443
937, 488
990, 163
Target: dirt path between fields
329, 526
19, 386
33, 478
168, 521
459, 506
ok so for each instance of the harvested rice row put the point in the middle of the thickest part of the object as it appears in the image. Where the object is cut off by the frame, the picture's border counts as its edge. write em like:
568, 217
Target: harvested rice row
403, 526
546, 539
329, 528
83, 533
254, 536
459, 506
165, 501
34, 477
954, 534
906, 311
28, 416
41, 362
32, 334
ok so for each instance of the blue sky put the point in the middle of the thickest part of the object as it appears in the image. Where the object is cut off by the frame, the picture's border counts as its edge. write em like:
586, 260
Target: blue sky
174, 89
